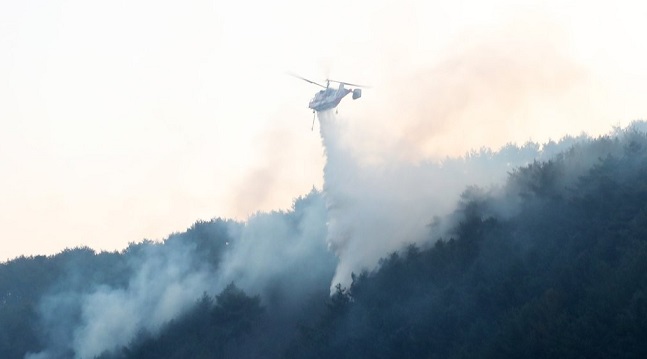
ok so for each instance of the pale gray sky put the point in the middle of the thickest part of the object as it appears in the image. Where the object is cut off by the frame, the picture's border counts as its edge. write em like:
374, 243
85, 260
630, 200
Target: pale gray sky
125, 120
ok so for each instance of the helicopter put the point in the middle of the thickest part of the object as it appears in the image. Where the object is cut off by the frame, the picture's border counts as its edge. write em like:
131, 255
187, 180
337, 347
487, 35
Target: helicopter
330, 97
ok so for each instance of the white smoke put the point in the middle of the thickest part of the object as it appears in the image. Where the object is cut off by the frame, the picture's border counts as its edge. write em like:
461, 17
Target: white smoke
375, 209
281, 251
378, 207
266, 256
166, 281
387, 177
165, 285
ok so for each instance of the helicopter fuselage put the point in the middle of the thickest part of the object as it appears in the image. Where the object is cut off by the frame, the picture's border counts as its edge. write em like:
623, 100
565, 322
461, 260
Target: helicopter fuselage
328, 98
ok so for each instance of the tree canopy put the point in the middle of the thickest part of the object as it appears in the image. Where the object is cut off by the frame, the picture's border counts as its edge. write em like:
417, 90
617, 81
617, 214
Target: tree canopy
551, 264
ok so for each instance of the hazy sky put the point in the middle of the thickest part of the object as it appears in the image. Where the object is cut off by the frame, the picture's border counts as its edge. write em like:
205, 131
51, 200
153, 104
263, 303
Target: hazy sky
124, 120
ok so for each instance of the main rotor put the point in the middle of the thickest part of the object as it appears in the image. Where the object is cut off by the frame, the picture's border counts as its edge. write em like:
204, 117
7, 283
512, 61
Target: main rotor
328, 81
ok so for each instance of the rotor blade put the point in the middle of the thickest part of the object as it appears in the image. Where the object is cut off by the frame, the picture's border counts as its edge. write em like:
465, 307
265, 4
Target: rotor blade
349, 84
305, 79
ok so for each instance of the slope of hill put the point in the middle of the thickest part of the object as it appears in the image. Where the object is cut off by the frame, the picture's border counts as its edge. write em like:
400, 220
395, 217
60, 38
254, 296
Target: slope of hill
551, 264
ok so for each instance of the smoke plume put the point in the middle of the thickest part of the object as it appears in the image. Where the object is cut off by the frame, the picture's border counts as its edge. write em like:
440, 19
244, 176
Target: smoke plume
401, 163
264, 256
374, 209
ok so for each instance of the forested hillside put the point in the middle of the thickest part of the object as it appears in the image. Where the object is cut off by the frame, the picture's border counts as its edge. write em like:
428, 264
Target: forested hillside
552, 264
551, 267
25, 282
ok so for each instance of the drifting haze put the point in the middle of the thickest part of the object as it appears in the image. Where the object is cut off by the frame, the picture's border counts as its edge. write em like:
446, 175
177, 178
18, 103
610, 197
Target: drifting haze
264, 256
377, 208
